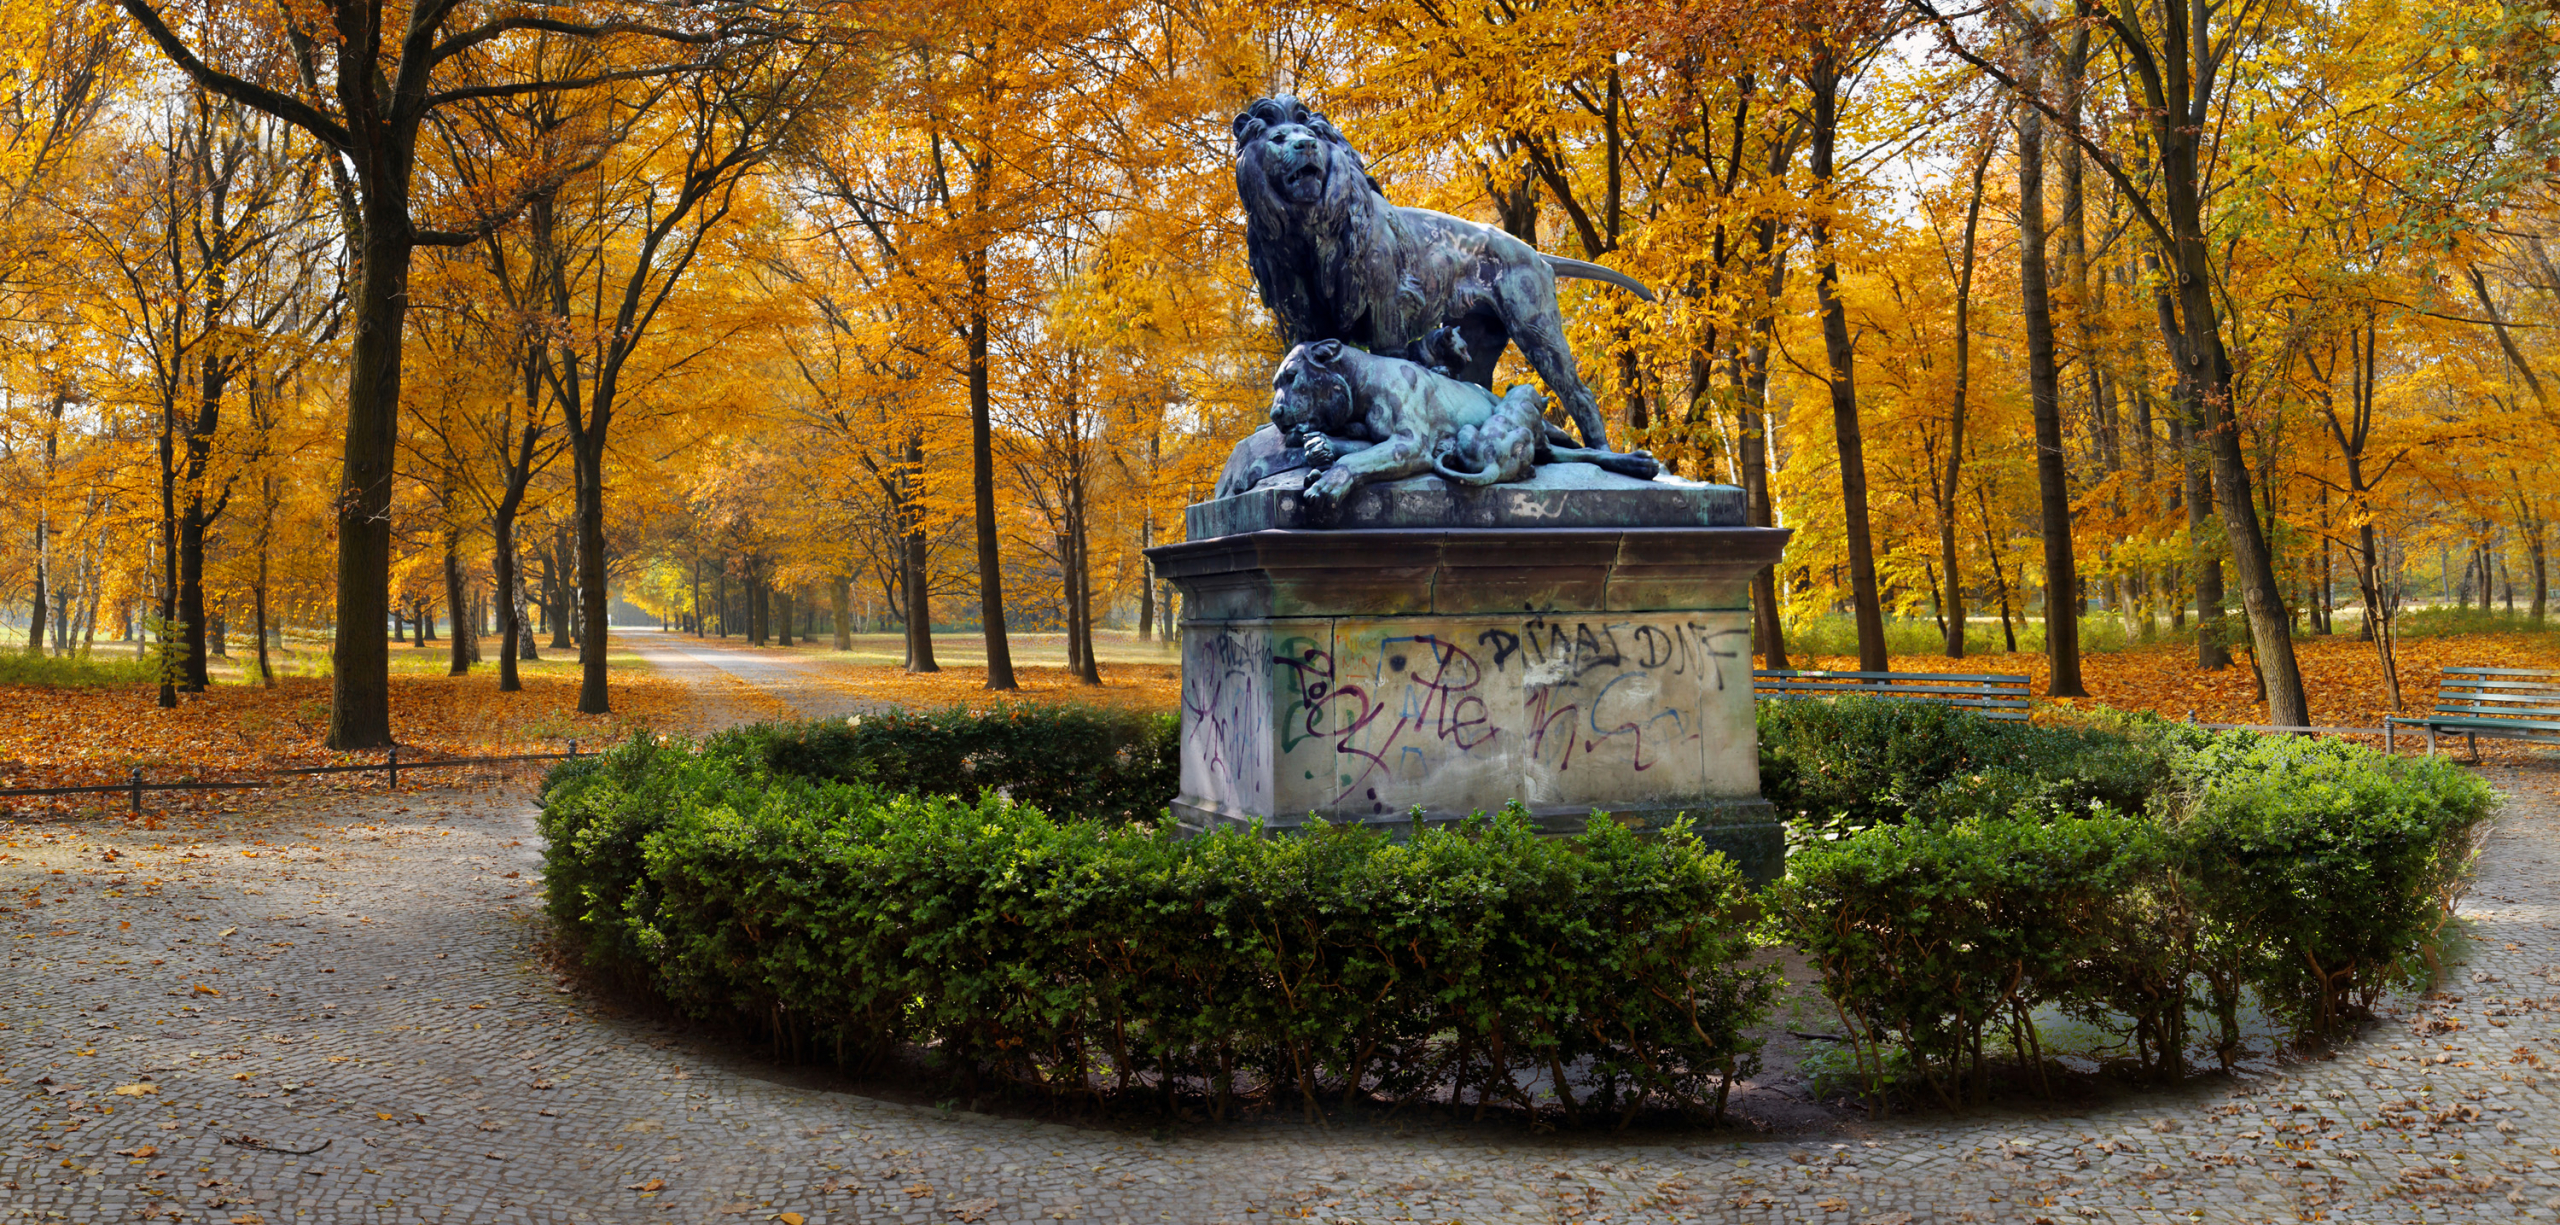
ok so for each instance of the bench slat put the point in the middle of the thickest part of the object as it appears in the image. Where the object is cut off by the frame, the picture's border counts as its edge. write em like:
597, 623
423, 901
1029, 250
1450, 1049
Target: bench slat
2472, 724
1942, 691
2521, 712
2550, 672
2497, 717
1989, 709
2499, 686
2456, 697
1992, 695
1990, 678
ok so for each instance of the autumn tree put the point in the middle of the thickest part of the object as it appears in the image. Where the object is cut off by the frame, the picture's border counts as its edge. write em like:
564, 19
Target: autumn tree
362, 77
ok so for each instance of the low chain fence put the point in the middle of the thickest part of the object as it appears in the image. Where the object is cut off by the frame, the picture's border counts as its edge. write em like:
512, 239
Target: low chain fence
390, 765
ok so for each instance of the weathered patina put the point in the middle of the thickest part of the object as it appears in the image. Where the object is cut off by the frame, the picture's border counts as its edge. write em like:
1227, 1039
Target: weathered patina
1334, 260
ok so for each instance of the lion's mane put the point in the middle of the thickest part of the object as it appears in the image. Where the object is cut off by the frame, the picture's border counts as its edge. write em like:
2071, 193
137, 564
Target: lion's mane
1328, 268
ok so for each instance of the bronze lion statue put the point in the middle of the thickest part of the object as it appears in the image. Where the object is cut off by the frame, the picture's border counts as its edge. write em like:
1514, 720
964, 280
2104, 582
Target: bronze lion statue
1334, 261
1362, 418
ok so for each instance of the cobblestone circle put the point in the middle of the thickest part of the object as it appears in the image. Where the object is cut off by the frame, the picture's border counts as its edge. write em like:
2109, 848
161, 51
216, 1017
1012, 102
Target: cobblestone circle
332, 1009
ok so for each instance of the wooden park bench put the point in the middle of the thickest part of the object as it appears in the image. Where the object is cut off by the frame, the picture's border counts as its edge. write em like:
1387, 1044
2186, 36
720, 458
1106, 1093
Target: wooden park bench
1995, 695
2514, 703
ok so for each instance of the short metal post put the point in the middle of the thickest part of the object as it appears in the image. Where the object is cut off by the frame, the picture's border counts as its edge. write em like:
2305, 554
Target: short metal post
395, 767
573, 748
137, 791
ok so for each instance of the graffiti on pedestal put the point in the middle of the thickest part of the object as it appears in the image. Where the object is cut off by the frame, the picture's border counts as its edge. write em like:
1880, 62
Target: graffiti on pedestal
1549, 692
1226, 710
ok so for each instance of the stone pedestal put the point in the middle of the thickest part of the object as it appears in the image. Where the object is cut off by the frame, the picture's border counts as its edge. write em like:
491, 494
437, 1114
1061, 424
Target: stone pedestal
1583, 643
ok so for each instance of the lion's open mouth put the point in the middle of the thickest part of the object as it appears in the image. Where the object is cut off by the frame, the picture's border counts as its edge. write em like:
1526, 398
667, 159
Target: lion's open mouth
1310, 171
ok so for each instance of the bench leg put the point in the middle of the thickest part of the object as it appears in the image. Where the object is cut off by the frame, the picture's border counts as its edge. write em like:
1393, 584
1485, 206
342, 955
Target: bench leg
2387, 746
2431, 740
2474, 738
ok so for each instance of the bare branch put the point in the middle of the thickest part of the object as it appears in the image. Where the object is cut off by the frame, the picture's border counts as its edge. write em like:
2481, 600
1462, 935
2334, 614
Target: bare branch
281, 105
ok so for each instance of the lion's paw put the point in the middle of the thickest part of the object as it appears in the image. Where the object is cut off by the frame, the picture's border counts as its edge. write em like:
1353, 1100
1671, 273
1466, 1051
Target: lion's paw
1320, 452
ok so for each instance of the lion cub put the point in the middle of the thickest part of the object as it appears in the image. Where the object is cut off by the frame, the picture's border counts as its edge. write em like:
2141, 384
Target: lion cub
1364, 417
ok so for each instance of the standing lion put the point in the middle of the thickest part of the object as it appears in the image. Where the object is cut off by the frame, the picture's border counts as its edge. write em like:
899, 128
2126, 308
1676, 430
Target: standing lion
1335, 261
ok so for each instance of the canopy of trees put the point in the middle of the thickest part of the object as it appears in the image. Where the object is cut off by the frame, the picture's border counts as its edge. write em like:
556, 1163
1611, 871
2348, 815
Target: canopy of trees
2214, 319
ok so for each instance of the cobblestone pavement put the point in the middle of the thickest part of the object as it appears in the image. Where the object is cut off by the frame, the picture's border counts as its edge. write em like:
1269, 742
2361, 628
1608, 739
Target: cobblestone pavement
331, 1009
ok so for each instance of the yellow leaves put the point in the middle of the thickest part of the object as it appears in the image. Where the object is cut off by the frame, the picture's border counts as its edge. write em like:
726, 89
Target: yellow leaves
654, 1184
201, 989
384, 1117
135, 1091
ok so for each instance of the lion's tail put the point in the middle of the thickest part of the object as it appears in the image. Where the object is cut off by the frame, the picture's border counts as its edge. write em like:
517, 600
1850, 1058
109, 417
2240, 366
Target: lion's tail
1597, 272
1487, 475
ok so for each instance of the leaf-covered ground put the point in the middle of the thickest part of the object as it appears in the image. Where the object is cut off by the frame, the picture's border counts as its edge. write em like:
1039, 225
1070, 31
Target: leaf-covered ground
54, 736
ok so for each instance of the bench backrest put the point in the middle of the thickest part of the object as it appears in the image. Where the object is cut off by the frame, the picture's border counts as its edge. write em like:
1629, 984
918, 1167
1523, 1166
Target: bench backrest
2491, 693
1994, 695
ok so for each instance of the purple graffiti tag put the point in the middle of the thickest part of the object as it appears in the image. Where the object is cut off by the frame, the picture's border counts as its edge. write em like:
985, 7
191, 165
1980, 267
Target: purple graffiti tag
1437, 703
1225, 711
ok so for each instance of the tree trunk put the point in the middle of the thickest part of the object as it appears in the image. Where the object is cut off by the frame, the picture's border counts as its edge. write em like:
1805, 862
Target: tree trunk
458, 648
2213, 652
2044, 390
982, 466
360, 659
35, 617
1088, 670
840, 605
258, 610
190, 608
2539, 566
1146, 579
919, 593
1067, 599
588, 450
1751, 453
555, 574
1951, 601
2204, 374
782, 618
1865, 599
512, 640
168, 593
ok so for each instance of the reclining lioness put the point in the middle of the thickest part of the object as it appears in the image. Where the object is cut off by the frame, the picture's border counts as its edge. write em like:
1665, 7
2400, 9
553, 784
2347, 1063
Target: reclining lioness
1363, 417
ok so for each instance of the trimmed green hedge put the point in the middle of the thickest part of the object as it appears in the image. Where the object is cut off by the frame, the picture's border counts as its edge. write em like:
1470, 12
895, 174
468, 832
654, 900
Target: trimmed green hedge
1106, 764
862, 892
1836, 766
2313, 874
1080, 957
